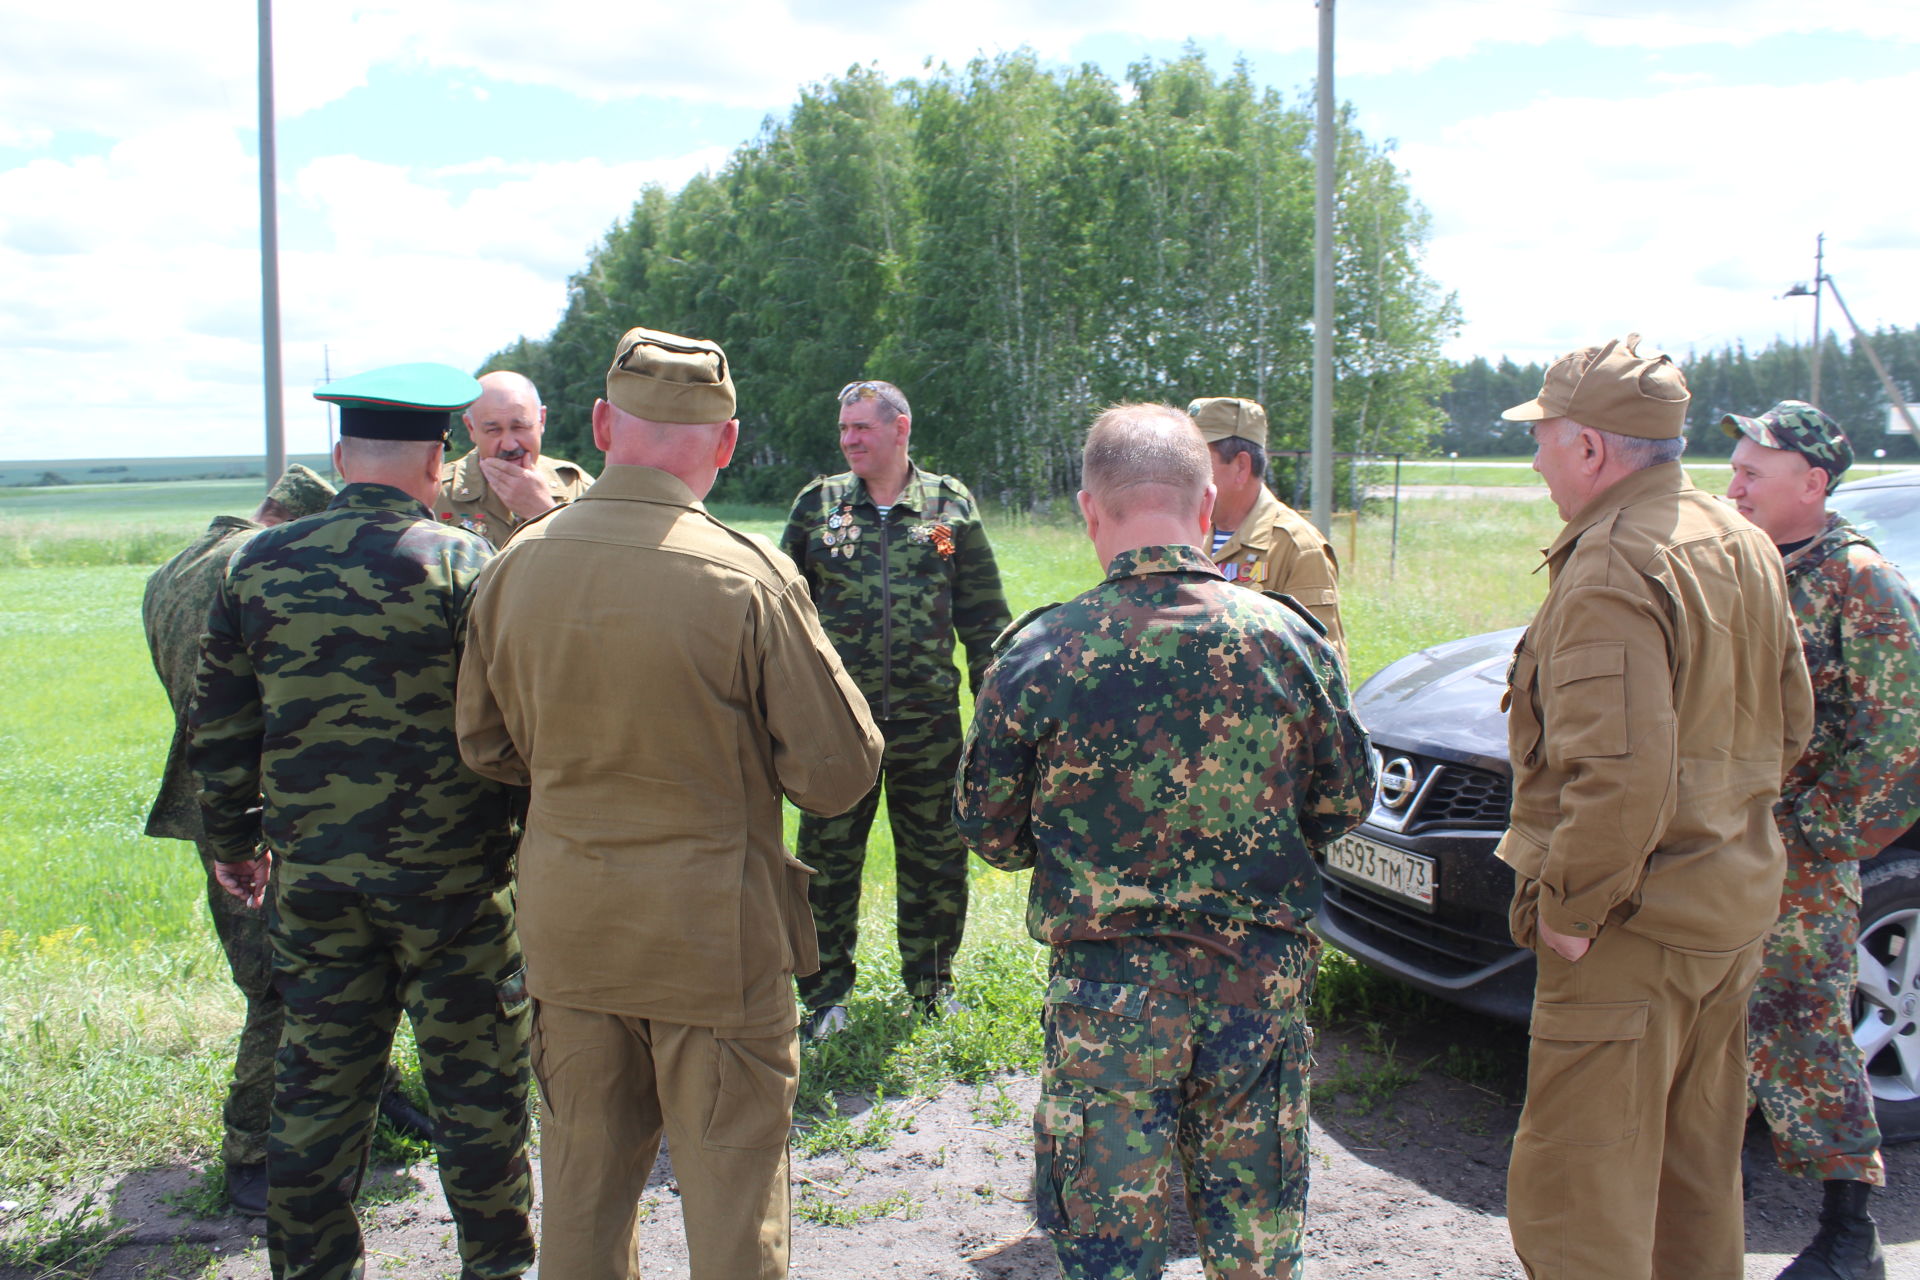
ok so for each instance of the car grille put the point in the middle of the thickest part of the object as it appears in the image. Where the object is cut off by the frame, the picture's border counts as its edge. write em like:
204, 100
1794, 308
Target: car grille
1429, 944
1463, 797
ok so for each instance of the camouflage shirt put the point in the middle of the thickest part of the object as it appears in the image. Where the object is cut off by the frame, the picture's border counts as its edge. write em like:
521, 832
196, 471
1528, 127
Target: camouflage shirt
174, 614
893, 593
1164, 750
326, 693
1858, 785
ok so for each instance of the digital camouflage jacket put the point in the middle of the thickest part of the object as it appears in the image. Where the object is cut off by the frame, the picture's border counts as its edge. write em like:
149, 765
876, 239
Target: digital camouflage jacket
326, 694
893, 594
1165, 750
1857, 787
174, 613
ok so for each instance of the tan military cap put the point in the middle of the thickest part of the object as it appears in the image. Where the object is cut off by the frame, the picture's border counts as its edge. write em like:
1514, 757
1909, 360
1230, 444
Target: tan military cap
663, 377
1221, 416
301, 491
1612, 388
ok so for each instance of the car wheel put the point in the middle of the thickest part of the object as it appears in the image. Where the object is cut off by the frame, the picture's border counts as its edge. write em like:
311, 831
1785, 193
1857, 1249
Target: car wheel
1886, 997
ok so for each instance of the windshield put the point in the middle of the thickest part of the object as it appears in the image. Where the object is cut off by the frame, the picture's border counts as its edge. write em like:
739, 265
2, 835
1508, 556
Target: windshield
1891, 517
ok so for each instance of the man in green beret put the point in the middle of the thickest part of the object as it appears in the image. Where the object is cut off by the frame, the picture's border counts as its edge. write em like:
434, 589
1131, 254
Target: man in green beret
174, 614
661, 682
332, 793
899, 565
1855, 791
1259, 541
505, 481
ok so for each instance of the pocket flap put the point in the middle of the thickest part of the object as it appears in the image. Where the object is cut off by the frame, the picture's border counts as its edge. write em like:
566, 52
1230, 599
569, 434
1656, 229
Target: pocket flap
1122, 999
1584, 1023
1588, 661
1059, 1116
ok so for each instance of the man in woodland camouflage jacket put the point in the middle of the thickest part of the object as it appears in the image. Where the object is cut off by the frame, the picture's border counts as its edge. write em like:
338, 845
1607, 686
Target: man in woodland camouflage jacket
1165, 751
323, 732
1855, 790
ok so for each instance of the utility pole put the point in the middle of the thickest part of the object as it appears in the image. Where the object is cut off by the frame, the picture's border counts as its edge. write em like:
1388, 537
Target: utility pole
1321, 440
1819, 278
270, 257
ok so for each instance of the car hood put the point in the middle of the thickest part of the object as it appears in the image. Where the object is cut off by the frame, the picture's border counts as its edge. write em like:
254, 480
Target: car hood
1444, 701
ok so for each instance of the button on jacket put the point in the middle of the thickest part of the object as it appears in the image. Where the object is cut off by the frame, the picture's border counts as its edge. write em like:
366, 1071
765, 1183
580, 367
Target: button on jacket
467, 500
1278, 549
1655, 704
661, 681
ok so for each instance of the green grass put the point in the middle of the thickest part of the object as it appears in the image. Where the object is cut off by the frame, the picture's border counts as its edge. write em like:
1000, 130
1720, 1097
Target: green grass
117, 1017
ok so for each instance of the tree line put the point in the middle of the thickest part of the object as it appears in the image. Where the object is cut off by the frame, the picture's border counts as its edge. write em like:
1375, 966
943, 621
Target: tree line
1725, 380
1016, 247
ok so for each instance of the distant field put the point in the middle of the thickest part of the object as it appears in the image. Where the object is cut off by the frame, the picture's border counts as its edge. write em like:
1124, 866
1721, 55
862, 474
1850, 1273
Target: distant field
65, 471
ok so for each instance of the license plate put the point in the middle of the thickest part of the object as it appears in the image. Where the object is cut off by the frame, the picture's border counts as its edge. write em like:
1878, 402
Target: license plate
1378, 866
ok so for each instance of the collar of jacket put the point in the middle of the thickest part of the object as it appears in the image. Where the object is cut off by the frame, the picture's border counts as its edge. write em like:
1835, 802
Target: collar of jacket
1256, 527
642, 484
1171, 559
1648, 482
378, 497
913, 494
1835, 537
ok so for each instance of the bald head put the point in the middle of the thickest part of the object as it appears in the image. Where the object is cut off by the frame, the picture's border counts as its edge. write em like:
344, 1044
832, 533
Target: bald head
508, 420
1145, 457
695, 452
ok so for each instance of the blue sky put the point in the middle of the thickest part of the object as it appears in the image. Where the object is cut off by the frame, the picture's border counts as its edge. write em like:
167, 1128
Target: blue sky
1590, 168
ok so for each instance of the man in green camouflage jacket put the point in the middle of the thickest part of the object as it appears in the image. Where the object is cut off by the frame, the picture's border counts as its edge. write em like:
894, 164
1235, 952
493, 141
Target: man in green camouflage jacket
1165, 751
174, 614
898, 563
1855, 790
322, 732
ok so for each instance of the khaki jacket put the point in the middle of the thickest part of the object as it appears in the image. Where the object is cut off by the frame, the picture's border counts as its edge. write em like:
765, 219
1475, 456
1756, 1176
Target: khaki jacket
1654, 705
661, 681
1278, 549
467, 500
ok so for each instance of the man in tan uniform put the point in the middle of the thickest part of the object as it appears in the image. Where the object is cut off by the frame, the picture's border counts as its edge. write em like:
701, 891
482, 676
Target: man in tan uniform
1654, 705
661, 681
1258, 540
505, 482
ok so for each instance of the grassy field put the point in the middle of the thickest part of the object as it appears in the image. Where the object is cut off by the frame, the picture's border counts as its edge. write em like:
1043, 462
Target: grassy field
117, 1017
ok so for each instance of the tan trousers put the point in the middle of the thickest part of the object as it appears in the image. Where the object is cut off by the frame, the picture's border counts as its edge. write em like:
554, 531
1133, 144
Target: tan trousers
609, 1086
1626, 1165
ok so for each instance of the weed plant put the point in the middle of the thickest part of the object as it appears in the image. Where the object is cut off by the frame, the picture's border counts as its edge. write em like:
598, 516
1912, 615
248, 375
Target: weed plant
118, 1018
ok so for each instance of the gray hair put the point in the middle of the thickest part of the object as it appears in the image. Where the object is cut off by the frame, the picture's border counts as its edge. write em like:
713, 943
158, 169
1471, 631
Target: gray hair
891, 398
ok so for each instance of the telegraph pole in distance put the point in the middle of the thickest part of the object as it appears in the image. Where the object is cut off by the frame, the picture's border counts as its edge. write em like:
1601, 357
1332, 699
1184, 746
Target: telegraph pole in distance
1321, 440
270, 257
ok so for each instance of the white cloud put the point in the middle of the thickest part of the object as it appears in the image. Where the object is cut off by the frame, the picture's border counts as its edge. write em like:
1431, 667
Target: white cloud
1681, 214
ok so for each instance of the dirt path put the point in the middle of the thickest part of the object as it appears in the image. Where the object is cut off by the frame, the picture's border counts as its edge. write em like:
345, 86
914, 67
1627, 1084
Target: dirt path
1410, 1140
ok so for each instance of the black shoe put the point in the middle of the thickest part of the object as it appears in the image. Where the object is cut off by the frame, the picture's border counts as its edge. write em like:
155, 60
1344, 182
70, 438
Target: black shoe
824, 1023
247, 1189
405, 1118
1848, 1245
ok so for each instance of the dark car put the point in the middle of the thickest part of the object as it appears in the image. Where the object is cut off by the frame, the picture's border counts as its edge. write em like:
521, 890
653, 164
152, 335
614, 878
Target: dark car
1416, 892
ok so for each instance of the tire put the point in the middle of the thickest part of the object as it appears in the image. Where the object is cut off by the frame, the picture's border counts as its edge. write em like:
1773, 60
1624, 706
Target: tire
1886, 996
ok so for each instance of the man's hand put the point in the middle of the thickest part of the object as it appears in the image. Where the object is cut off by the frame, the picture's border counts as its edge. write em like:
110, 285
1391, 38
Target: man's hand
1570, 948
523, 489
246, 881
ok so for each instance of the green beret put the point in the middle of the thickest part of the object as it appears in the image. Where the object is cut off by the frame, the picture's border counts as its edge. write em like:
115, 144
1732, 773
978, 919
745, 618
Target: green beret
401, 401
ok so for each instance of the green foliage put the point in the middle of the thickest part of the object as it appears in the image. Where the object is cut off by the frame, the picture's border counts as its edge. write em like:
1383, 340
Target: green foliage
838, 1134
1016, 246
823, 1211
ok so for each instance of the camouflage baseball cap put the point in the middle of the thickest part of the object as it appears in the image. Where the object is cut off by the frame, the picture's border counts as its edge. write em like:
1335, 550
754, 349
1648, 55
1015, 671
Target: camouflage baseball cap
1612, 388
1221, 416
1797, 425
301, 491
664, 377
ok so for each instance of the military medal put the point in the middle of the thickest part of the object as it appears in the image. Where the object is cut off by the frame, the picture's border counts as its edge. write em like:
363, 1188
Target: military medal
828, 537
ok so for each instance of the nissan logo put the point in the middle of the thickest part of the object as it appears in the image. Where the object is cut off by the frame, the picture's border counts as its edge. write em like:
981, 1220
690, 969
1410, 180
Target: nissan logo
1396, 782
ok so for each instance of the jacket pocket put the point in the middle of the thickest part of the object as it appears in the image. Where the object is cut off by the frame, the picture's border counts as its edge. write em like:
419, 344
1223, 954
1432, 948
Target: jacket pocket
1583, 1086
1590, 700
803, 942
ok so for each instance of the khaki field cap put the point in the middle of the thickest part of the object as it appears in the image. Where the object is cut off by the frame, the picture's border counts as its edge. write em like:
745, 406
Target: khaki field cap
663, 377
1612, 388
1221, 416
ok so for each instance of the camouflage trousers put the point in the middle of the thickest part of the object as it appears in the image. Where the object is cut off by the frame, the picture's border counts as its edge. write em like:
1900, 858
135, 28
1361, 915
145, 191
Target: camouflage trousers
347, 965
242, 931
1135, 1077
930, 863
1805, 1073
